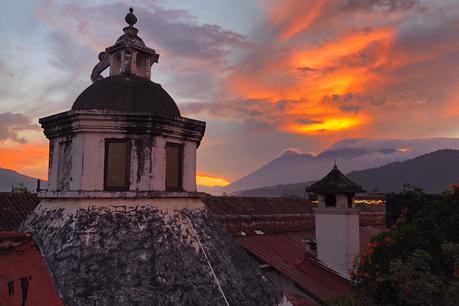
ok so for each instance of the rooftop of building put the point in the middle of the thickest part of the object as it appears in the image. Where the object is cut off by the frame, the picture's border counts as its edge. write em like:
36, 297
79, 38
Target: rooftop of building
273, 230
15, 207
335, 182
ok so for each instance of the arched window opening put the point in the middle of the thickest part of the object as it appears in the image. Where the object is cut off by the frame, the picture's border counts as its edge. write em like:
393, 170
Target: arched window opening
349, 200
117, 164
174, 166
116, 64
330, 200
141, 69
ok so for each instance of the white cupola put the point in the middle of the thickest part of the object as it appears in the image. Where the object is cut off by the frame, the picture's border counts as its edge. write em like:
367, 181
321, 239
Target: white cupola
336, 221
124, 133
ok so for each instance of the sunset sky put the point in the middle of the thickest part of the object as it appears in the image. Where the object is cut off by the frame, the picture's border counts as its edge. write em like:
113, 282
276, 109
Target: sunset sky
265, 75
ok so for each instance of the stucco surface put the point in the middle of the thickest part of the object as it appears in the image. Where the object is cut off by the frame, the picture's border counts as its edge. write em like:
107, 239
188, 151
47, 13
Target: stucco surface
145, 252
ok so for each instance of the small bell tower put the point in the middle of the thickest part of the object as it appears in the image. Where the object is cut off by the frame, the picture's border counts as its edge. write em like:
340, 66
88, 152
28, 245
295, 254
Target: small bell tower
128, 55
124, 136
336, 221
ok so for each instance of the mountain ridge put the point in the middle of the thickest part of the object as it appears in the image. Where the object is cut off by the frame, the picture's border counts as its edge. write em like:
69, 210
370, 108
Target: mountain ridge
353, 154
433, 172
9, 178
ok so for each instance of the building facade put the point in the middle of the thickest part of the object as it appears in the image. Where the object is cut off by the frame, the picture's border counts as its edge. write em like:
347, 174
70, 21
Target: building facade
337, 221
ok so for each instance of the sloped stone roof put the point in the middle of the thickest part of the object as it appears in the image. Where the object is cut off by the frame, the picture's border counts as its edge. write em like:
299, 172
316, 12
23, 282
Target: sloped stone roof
140, 254
335, 182
15, 207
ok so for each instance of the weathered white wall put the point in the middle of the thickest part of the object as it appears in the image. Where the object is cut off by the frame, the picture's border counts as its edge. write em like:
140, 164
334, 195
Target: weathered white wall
337, 235
52, 167
147, 167
158, 181
189, 166
93, 161
77, 162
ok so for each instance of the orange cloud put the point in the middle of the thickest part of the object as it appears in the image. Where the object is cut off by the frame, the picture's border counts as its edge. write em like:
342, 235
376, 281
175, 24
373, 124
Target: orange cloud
293, 16
328, 125
298, 75
29, 158
210, 180
330, 51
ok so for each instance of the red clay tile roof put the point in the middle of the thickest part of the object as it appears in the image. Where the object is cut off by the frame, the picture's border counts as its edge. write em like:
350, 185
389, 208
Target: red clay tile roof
287, 254
23, 273
257, 205
14, 208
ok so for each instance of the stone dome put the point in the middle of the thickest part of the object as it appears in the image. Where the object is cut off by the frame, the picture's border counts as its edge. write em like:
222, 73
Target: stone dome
129, 94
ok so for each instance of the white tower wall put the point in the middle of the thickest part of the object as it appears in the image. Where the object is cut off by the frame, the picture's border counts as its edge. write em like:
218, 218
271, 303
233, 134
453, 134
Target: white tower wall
77, 158
337, 236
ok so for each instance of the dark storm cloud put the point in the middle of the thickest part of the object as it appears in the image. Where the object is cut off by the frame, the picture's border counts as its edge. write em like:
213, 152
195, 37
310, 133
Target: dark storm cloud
68, 54
12, 123
307, 121
183, 36
354, 102
175, 31
248, 110
193, 55
382, 5
5, 70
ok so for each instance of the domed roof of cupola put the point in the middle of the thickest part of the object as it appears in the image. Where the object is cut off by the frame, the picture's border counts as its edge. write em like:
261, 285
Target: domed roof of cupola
128, 88
127, 93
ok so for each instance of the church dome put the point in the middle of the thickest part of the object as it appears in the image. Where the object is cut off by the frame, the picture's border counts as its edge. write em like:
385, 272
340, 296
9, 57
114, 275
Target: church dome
127, 93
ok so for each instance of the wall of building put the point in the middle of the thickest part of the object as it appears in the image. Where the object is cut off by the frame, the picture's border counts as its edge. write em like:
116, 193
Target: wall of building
189, 166
337, 235
77, 163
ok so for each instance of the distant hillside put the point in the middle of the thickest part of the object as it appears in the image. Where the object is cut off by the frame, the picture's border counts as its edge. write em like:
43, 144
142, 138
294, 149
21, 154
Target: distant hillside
275, 191
9, 178
350, 154
432, 172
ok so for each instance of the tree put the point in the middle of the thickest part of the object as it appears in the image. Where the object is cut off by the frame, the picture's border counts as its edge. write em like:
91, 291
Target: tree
19, 187
416, 262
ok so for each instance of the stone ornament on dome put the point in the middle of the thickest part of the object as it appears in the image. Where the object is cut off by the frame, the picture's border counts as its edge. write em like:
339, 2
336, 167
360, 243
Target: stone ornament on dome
100, 67
131, 19
128, 56
130, 32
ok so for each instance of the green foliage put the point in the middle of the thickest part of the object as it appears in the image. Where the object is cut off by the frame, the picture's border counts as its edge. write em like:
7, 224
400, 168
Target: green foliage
348, 300
20, 187
416, 262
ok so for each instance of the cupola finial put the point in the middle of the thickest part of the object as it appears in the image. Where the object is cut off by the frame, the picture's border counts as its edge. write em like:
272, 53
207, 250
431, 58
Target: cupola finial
131, 19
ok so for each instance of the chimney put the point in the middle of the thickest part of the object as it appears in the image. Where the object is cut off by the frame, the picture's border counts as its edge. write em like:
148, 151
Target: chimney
336, 221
